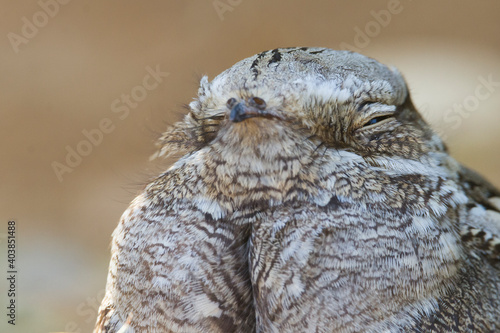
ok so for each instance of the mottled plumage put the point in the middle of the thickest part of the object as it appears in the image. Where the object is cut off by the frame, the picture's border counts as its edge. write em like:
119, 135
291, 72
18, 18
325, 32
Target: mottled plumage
310, 197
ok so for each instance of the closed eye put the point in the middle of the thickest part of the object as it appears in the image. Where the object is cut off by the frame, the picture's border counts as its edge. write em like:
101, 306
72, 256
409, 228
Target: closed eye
377, 120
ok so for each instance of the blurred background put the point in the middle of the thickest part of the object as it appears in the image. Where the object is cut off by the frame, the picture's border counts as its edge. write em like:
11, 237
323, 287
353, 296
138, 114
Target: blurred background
86, 85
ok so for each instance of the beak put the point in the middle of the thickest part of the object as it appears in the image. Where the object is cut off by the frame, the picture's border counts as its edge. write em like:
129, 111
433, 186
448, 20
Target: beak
241, 111
253, 107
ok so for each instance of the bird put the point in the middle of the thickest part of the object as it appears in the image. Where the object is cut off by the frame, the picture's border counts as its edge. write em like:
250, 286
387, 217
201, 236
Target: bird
309, 195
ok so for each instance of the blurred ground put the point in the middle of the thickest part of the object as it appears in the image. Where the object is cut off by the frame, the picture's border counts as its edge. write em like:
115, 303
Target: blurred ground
64, 69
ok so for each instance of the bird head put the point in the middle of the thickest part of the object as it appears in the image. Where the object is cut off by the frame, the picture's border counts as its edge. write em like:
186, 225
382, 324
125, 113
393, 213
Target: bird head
315, 96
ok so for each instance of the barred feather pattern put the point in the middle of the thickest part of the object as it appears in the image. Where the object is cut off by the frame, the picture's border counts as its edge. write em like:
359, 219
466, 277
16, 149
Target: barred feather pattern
310, 197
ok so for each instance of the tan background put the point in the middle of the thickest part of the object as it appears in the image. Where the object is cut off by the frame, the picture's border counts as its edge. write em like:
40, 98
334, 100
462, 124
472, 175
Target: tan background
65, 78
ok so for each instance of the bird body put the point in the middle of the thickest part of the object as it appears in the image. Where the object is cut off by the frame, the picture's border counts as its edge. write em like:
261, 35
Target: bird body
310, 197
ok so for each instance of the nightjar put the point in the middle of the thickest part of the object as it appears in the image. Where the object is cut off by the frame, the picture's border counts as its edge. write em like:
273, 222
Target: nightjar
310, 196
